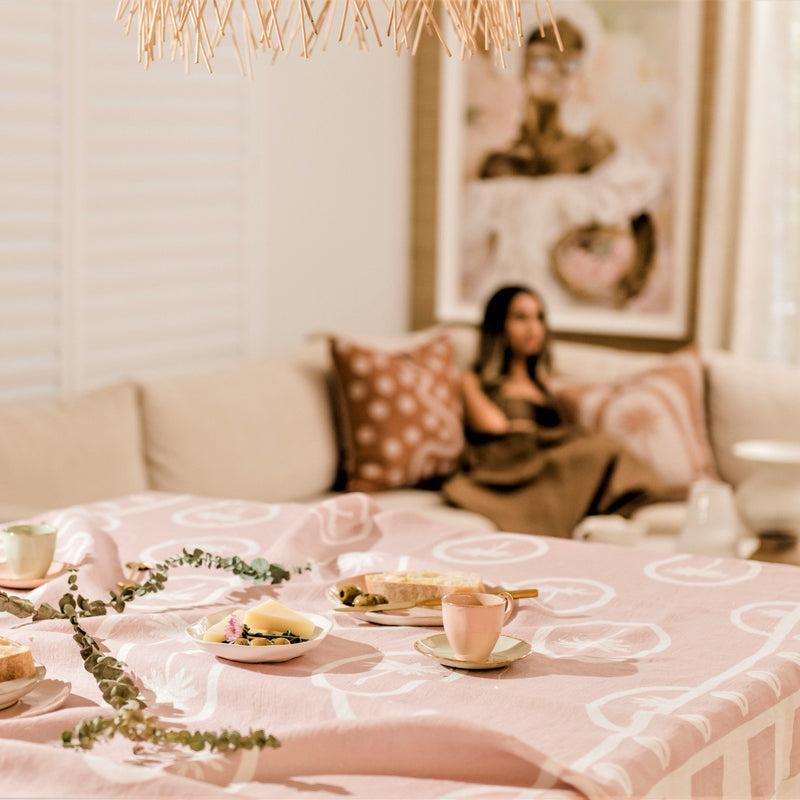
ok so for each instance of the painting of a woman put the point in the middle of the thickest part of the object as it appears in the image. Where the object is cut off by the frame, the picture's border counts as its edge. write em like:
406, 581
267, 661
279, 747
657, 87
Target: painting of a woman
574, 189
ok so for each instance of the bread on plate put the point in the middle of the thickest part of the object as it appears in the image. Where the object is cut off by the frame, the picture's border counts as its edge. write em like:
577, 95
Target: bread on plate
16, 661
421, 584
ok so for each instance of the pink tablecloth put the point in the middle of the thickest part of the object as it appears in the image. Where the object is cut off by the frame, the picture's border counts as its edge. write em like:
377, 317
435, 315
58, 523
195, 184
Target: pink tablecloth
662, 676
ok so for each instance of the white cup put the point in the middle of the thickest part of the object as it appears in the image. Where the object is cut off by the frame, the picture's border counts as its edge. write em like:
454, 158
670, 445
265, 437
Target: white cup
712, 525
29, 549
473, 622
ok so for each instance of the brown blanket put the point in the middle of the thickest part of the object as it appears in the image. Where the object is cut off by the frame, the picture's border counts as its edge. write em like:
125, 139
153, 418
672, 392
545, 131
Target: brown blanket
546, 480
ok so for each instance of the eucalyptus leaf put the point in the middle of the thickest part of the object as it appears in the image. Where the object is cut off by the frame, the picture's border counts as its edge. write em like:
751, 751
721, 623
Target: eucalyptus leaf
117, 688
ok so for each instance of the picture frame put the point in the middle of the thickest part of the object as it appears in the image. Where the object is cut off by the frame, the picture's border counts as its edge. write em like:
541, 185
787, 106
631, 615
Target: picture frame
608, 236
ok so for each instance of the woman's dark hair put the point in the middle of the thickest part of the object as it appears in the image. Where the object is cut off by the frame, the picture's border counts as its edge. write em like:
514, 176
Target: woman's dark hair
494, 354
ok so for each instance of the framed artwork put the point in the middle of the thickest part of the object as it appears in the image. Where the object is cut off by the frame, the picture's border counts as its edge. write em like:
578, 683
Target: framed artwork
574, 171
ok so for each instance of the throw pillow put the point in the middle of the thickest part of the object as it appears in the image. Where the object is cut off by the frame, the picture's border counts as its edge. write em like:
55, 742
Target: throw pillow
659, 414
399, 413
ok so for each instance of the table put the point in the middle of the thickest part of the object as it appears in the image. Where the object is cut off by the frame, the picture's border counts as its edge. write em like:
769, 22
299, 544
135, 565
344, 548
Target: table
657, 675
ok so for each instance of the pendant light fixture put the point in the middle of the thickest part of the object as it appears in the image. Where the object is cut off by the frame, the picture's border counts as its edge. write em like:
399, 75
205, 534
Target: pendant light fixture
193, 30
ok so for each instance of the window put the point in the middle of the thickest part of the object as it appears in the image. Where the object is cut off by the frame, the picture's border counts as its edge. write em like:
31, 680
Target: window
750, 281
128, 205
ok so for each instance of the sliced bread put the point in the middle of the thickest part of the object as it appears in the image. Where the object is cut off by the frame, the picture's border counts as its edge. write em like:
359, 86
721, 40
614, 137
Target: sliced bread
421, 584
16, 661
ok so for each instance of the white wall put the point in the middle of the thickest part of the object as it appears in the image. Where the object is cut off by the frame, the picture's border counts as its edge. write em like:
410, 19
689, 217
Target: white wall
337, 193
333, 136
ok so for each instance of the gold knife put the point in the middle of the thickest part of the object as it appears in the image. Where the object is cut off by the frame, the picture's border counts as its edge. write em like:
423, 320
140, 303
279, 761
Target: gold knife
517, 594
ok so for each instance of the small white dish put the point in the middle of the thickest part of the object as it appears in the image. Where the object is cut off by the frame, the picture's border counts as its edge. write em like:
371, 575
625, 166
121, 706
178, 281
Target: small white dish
256, 655
8, 580
505, 652
11, 691
47, 695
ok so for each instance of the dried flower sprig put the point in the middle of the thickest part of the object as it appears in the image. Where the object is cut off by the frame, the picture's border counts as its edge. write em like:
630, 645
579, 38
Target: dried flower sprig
117, 688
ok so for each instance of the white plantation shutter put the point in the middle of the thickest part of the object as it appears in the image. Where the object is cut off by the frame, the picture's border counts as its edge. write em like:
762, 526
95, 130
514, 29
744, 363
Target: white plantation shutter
164, 211
31, 241
126, 208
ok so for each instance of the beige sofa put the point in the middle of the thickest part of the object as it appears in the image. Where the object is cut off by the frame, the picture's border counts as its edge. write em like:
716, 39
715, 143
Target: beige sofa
265, 431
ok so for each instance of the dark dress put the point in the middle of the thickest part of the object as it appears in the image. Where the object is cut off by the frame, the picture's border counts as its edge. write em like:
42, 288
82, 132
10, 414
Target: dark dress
545, 481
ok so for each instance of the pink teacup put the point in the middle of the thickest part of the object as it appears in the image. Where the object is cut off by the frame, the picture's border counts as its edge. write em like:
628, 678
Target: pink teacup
473, 621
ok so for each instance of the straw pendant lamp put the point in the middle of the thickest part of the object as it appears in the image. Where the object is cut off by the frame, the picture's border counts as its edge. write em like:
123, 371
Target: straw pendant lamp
193, 30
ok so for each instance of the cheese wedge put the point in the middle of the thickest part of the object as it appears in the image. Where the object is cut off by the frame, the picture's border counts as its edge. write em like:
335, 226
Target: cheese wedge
421, 584
216, 632
16, 661
272, 616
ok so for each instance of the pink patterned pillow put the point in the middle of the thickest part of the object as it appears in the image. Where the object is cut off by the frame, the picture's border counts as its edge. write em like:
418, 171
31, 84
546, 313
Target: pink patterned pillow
399, 413
658, 414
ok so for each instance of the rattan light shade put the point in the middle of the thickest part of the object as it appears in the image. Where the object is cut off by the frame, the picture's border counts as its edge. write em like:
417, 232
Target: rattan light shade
192, 30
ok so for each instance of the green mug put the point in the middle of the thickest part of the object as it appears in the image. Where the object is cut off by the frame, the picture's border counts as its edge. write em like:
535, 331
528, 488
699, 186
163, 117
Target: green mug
29, 549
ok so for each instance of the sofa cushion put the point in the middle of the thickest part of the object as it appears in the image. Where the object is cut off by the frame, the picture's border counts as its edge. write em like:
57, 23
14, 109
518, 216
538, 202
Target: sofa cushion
749, 400
258, 431
659, 414
592, 362
399, 412
78, 450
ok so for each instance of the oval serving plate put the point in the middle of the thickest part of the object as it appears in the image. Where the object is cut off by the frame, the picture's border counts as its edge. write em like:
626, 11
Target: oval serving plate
417, 616
11, 691
256, 655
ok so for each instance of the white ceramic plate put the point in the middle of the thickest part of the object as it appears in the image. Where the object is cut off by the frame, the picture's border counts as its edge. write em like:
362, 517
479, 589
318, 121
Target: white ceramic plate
8, 580
11, 691
506, 651
47, 695
417, 616
256, 655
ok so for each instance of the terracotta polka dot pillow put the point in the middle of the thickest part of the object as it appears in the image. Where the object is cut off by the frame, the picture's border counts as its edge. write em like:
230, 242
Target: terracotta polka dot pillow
659, 414
399, 413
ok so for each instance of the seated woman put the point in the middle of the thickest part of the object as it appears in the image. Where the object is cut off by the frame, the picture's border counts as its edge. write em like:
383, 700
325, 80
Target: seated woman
525, 467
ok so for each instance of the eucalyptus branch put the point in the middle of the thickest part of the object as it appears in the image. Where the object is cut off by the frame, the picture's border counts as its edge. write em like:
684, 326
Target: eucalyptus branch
130, 721
137, 727
117, 688
259, 571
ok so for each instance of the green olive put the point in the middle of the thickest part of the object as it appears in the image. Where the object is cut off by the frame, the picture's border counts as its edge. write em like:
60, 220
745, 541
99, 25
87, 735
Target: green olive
281, 640
260, 641
242, 641
347, 594
369, 600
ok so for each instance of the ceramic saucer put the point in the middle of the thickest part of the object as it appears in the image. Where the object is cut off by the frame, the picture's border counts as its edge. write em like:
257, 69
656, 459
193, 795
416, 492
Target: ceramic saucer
506, 651
46, 695
11, 691
8, 580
